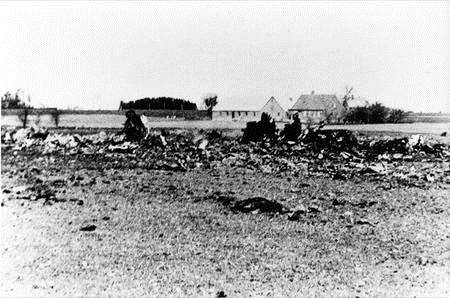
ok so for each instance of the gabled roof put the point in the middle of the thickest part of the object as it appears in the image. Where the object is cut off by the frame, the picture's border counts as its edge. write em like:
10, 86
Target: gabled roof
270, 101
247, 103
316, 102
238, 103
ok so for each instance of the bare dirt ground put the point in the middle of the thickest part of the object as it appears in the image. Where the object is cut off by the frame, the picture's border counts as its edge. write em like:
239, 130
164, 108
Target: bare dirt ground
161, 232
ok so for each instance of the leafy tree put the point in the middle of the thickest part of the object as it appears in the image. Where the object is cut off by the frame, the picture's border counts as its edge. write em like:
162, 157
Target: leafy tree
378, 113
357, 115
375, 113
10, 101
396, 116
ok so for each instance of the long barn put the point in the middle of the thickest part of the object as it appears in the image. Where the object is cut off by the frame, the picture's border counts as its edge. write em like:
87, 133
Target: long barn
271, 107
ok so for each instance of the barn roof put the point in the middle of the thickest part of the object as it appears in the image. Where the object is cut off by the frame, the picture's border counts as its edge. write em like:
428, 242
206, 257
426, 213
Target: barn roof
316, 102
247, 103
274, 101
237, 103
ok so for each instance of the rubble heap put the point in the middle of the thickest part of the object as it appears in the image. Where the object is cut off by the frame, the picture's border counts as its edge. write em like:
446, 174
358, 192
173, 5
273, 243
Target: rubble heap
339, 154
265, 129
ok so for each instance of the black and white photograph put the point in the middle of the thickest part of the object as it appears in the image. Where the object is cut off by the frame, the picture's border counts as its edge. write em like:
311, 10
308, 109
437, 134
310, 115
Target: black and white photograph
225, 149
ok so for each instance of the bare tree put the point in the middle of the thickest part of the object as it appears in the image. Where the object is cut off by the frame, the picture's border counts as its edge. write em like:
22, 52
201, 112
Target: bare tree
55, 114
348, 96
210, 101
10, 101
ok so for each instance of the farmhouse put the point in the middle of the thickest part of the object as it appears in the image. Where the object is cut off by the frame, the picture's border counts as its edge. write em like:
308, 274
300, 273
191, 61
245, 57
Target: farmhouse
272, 107
316, 107
275, 111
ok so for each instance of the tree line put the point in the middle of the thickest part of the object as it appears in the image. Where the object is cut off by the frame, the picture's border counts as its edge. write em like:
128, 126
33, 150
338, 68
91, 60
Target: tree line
14, 101
158, 103
374, 113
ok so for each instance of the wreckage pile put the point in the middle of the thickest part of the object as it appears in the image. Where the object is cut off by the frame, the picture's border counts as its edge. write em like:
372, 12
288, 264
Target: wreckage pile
335, 153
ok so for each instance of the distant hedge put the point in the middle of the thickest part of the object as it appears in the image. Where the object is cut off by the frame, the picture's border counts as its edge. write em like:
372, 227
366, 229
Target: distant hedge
375, 113
158, 103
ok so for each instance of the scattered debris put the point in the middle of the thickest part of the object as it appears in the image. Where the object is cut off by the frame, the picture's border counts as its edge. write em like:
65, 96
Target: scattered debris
134, 129
423, 260
297, 213
258, 205
258, 131
19, 189
202, 145
363, 221
314, 209
339, 154
292, 131
125, 147
227, 201
253, 205
88, 228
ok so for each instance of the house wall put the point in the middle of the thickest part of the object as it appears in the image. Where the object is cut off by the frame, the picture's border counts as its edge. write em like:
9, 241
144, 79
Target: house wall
275, 111
236, 115
307, 116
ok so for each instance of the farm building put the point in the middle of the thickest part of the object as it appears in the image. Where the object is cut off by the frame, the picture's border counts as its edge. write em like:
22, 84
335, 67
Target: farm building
275, 111
236, 115
316, 107
272, 107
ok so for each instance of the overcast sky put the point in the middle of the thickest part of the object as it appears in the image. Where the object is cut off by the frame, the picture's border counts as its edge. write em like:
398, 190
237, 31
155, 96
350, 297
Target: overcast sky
94, 54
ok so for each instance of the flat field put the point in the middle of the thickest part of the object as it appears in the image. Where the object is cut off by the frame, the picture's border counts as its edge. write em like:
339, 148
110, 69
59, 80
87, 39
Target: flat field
161, 232
116, 121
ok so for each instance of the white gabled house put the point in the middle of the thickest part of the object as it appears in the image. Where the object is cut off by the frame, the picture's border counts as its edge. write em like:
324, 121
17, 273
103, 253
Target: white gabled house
274, 109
